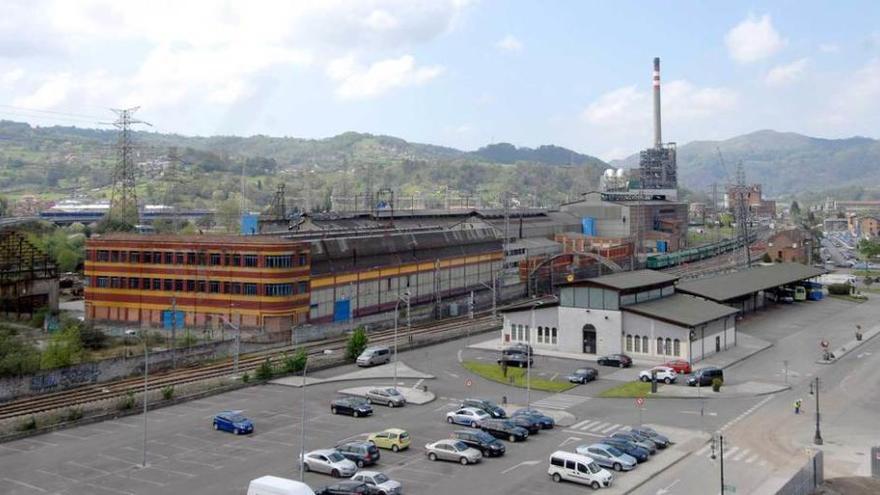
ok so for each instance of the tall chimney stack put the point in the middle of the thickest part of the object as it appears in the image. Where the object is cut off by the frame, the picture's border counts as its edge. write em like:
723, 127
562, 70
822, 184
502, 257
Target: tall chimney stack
658, 142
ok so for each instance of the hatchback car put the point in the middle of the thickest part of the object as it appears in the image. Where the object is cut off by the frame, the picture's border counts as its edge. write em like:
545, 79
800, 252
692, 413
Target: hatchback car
662, 441
704, 376
545, 421
608, 456
380, 481
353, 406
234, 422
468, 416
490, 407
504, 428
583, 375
488, 445
360, 453
347, 488
452, 450
680, 366
329, 461
618, 360
641, 454
390, 397
664, 374
393, 439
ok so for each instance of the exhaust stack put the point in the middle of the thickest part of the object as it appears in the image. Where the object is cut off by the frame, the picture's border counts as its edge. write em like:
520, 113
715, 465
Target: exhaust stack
658, 141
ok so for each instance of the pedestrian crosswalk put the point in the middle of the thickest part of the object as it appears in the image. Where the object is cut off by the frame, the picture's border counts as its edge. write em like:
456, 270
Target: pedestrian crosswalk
596, 427
560, 401
732, 453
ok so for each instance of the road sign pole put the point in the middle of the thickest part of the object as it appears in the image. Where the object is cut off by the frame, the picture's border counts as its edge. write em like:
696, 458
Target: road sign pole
721, 446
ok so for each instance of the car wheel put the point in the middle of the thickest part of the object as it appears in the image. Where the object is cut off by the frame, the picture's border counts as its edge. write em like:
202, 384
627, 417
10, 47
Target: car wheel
432, 456
306, 467
360, 463
557, 478
463, 461
394, 448
473, 424
622, 365
333, 410
390, 404
644, 379
216, 426
668, 380
522, 365
594, 485
449, 420
355, 414
618, 467
334, 473
236, 431
369, 401
511, 438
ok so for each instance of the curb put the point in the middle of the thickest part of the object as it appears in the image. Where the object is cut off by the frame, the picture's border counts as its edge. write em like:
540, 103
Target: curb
847, 349
672, 464
731, 396
737, 361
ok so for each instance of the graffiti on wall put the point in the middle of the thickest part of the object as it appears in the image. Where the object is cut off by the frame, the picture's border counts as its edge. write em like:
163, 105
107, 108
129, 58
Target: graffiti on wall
65, 378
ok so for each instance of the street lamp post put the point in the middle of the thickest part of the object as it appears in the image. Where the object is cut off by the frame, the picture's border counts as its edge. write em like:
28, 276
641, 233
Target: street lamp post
405, 298
146, 378
302, 422
817, 438
529, 357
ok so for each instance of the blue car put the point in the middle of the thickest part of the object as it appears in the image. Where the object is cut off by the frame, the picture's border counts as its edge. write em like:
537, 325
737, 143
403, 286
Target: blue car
234, 422
542, 419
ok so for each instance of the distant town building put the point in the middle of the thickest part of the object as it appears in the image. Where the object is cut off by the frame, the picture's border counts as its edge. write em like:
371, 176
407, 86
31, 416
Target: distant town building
789, 246
758, 206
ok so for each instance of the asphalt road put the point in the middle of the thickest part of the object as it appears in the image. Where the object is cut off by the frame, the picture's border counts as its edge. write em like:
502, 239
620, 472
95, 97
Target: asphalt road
186, 456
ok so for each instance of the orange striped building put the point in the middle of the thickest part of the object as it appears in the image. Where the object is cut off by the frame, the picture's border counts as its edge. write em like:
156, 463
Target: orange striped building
198, 281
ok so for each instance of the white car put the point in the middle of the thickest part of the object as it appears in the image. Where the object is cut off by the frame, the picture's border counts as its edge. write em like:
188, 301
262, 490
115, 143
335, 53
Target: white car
664, 374
468, 416
380, 481
329, 461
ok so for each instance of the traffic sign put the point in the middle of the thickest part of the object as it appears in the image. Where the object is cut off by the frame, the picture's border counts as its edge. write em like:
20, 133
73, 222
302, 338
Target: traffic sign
468, 383
640, 401
824, 344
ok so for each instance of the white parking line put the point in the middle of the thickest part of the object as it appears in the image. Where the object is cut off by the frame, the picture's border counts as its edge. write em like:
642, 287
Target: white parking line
606, 430
599, 428
578, 425
26, 485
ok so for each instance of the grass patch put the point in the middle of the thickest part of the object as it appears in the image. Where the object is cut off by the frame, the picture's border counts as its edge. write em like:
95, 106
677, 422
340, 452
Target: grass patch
493, 372
628, 390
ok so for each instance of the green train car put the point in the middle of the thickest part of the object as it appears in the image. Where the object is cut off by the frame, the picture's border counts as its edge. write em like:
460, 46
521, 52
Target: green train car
659, 261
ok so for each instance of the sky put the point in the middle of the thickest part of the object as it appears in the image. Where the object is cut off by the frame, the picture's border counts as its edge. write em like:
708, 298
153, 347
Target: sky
460, 73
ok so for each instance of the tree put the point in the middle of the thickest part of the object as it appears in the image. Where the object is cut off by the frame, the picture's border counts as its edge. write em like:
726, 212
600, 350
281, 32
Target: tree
228, 212
63, 349
264, 370
17, 356
795, 209
766, 258
295, 363
91, 337
357, 342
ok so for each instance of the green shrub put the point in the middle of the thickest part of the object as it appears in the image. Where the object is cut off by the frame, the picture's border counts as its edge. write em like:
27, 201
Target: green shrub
357, 342
245, 378
264, 371
126, 403
168, 392
839, 289
29, 424
74, 413
295, 363
716, 384
767, 258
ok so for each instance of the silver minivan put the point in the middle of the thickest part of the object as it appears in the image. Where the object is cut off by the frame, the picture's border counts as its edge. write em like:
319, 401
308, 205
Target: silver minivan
373, 356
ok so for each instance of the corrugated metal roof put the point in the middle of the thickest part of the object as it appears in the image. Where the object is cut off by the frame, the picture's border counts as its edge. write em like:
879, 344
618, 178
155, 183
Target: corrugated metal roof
629, 280
742, 283
682, 309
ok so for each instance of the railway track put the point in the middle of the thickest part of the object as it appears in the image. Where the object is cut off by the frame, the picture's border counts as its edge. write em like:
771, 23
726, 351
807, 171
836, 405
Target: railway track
249, 362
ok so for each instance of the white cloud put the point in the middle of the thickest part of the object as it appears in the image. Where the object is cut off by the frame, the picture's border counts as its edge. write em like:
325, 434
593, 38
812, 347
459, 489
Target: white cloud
361, 82
52, 92
11, 77
509, 43
787, 73
615, 106
858, 96
753, 39
829, 48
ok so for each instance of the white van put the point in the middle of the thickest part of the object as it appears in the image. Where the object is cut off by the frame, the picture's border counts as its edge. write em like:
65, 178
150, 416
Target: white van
578, 468
273, 485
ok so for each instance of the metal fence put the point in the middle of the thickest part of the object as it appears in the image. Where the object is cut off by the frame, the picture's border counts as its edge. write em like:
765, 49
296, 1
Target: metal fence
807, 478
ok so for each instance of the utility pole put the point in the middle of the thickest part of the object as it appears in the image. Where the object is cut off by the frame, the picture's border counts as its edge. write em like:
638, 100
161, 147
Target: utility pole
146, 378
173, 332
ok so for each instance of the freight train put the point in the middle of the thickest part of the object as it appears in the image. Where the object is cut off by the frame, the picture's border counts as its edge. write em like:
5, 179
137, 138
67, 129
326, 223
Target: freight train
667, 260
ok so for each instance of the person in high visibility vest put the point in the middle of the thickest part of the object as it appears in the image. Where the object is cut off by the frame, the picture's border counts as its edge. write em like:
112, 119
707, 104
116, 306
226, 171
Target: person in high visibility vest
797, 406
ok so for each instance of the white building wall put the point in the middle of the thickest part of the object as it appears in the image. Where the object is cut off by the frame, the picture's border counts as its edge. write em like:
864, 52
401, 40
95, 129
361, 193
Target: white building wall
638, 326
573, 320
720, 333
518, 328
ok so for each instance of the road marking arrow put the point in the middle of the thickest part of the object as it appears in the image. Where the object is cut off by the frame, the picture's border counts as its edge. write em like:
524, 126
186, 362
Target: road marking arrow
523, 463
569, 440
664, 491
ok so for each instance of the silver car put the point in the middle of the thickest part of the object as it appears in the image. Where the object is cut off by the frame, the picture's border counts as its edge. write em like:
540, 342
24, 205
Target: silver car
380, 481
329, 461
452, 450
390, 396
607, 456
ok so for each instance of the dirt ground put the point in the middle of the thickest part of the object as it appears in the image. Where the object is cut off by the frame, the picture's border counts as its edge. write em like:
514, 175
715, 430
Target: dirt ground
850, 486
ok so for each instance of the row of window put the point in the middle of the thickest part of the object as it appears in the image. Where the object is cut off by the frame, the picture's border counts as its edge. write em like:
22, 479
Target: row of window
209, 286
546, 335
589, 297
664, 347
200, 258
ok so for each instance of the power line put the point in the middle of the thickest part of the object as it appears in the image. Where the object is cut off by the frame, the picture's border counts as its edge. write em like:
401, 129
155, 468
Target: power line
53, 112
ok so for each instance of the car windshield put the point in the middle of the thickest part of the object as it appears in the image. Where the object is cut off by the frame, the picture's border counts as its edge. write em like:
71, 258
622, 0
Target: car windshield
459, 446
580, 372
357, 401
392, 391
380, 478
335, 457
236, 418
483, 436
594, 468
404, 435
614, 451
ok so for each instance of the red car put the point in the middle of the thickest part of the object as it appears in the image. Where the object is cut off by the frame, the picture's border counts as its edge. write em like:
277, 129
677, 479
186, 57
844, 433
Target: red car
680, 366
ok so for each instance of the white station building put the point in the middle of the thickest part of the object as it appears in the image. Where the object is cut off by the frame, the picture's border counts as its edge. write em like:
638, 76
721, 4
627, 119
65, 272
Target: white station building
637, 313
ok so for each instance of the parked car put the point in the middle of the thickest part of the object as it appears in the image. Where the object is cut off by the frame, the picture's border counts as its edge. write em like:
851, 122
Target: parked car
519, 347
390, 396
347, 488
393, 439
452, 450
516, 359
545, 421
353, 406
618, 360
504, 428
680, 366
662, 441
486, 405
273, 485
233, 421
527, 422
608, 456
704, 376
642, 437
380, 481
665, 374
488, 445
372, 356
641, 454
468, 416
578, 468
361, 453
650, 446
583, 375
329, 461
